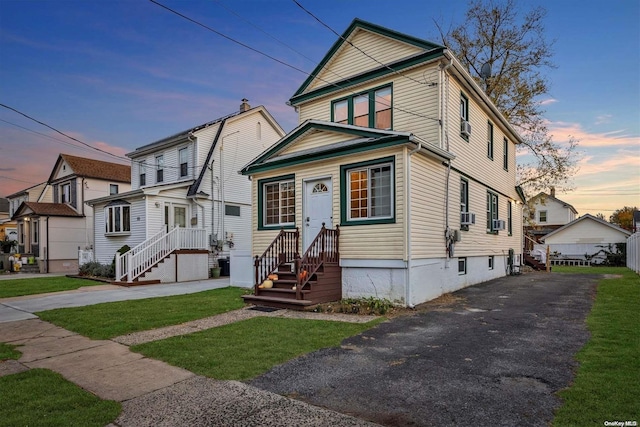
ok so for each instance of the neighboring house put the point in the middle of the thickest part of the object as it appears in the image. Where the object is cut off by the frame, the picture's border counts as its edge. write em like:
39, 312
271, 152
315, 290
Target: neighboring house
407, 156
36, 193
188, 180
586, 238
58, 224
8, 228
545, 213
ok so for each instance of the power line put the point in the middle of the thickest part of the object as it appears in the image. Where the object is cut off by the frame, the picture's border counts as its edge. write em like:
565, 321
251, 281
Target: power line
60, 132
19, 180
356, 47
293, 67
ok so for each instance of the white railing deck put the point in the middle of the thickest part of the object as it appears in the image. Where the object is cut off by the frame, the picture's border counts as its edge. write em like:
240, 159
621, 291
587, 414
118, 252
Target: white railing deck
141, 258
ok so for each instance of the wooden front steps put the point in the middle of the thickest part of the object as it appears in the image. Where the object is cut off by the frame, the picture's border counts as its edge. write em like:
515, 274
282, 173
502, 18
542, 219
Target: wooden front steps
534, 263
324, 286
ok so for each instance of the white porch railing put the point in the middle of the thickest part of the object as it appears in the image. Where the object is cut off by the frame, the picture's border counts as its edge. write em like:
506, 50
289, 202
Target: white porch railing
141, 258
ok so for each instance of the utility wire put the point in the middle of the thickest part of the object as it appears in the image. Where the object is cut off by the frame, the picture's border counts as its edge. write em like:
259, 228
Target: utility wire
19, 180
60, 132
293, 67
356, 47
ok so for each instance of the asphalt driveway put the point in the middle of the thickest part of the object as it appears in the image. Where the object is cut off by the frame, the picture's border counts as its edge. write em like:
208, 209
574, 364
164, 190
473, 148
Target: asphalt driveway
496, 356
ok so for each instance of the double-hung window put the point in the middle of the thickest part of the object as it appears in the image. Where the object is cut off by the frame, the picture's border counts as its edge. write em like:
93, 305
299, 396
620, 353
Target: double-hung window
278, 202
117, 218
490, 140
464, 200
159, 168
113, 189
368, 192
65, 195
510, 217
368, 109
184, 161
143, 173
542, 215
464, 116
492, 212
505, 154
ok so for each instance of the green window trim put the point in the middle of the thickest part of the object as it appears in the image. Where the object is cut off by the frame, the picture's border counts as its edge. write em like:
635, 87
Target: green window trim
370, 94
464, 200
492, 211
510, 217
344, 191
261, 200
505, 154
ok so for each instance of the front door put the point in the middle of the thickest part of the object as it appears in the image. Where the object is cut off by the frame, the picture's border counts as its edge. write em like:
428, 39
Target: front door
175, 215
317, 209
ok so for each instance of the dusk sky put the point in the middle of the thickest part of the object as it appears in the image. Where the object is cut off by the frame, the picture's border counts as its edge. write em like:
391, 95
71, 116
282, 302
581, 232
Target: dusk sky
121, 74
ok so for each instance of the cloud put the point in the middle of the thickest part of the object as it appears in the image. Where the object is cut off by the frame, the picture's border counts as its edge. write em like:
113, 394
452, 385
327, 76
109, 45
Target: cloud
564, 130
548, 101
603, 119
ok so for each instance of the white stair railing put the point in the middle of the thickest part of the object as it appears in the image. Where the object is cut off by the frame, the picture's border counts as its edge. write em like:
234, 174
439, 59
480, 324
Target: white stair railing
147, 254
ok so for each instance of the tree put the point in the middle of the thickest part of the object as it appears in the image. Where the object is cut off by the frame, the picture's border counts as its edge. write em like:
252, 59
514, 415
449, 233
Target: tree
623, 218
515, 46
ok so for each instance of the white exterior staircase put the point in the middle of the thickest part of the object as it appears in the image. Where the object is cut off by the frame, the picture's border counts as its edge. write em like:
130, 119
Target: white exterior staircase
142, 258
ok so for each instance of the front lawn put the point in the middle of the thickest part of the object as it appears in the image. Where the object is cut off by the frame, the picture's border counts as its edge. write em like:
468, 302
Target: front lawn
243, 350
606, 387
40, 397
41, 285
108, 320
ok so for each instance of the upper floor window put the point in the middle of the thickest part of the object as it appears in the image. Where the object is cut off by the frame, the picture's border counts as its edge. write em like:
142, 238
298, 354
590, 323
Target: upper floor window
369, 109
159, 168
505, 154
184, 161
113, 189
465, 127
490, 140
35, 231
65, 193
279, 203
143, 173
510, 218
542, 216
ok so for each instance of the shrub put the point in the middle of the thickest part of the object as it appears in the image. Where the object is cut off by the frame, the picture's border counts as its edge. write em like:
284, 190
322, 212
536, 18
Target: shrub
96, 269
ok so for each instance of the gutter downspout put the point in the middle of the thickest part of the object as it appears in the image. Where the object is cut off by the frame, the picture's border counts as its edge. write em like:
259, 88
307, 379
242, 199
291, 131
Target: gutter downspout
445, 136
408, 223
47, 248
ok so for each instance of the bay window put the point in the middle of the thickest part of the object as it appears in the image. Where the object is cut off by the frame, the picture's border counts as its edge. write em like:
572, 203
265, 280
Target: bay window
117, 218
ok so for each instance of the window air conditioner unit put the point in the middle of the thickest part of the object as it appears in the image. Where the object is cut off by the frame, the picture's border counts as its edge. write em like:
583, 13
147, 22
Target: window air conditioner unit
465, 128
499, 224
467, 218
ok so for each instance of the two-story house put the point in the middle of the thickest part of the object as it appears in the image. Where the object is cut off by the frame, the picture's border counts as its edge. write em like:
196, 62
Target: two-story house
398, 183
545, 213
186, 184
54, 227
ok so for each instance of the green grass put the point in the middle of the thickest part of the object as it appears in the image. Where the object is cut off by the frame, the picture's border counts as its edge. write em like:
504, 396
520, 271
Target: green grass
112, 319
606, 387
7, 352
589, 270
41, 285
39, 397
245, 349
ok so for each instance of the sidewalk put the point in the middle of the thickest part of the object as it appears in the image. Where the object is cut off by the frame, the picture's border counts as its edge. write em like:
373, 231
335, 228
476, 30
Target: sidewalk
152, 392
22, 308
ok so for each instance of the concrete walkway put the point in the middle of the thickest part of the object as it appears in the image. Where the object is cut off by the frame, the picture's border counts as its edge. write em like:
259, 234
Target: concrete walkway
22, 308
153, 393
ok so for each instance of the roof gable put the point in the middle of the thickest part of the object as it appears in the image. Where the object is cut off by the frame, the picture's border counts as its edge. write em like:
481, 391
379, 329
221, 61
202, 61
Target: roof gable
343, 140
392, 49
45, 209
67, 165
583, 220
544, 198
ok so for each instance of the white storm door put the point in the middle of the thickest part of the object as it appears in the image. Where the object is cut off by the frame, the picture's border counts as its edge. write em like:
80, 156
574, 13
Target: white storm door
317, 209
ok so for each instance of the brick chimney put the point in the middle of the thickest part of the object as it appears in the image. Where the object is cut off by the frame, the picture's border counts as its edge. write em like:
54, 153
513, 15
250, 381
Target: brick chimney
245, 105
553, 191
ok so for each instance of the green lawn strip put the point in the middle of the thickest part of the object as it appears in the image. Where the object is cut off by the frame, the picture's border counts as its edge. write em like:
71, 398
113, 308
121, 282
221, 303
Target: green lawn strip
41, 285
108, 320
589, 270
606, 387
7, 352
248, 348
40, 397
